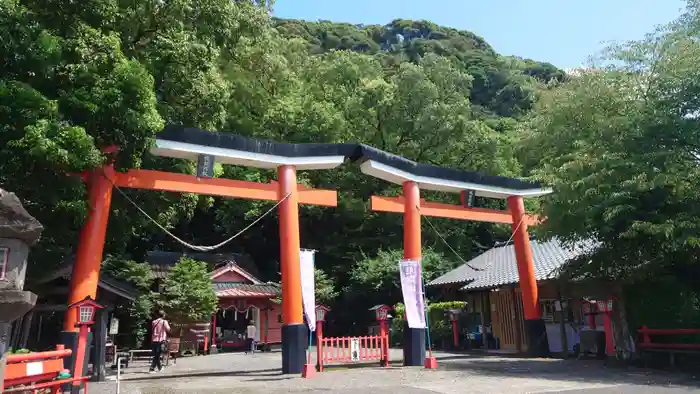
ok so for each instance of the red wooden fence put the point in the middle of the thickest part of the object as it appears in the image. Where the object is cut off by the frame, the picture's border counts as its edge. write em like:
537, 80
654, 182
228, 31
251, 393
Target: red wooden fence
646, 334
28, 373
340, 350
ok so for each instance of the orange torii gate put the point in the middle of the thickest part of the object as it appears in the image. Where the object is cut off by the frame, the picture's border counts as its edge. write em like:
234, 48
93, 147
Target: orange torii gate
207, 147
414, 176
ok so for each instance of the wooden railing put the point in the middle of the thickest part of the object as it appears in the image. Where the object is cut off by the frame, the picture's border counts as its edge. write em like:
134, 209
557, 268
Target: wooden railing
31, 372
353, 350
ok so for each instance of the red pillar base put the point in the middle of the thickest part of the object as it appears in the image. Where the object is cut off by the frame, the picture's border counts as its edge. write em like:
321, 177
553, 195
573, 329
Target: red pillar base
430, 362
309, 371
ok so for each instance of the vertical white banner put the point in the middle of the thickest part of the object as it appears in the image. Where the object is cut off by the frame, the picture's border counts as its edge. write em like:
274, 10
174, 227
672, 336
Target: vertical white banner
412, 289
308, 287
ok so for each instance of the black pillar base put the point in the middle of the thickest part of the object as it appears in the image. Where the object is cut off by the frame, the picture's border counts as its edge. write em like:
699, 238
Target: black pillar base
413, 346
538, 346
294, 340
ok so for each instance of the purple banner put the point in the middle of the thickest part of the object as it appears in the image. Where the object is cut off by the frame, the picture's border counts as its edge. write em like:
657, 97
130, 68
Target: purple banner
412, 289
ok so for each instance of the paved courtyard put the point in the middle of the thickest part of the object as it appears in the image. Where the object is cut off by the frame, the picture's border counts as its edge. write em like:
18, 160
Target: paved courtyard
457, 373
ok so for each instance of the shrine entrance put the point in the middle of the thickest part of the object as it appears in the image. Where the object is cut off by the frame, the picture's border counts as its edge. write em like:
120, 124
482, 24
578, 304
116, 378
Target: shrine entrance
207, 147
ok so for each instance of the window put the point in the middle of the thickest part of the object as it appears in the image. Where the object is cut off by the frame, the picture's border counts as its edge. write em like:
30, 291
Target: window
4, 256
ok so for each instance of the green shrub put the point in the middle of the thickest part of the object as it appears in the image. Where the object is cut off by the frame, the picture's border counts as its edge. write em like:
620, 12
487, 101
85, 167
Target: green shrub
440, 331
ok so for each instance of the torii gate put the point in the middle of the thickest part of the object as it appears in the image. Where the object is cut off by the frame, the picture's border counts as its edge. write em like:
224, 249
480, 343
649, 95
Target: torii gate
413, 176
207, 147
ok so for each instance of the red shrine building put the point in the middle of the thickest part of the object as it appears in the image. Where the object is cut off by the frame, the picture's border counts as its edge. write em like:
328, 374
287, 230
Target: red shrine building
242, 298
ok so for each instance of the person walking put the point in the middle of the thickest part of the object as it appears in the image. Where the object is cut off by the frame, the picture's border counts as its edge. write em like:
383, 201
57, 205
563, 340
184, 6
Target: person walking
250, 335
159, 334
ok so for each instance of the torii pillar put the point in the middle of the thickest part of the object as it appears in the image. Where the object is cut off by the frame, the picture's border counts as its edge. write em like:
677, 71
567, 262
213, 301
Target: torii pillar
413, 207
294, 331
535, 329
414, 338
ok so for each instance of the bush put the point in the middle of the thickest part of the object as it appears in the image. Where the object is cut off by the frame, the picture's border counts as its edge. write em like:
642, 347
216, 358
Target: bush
440, 330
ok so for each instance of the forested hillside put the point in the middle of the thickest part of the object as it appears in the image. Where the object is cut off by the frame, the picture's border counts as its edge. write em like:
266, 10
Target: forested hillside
76, 78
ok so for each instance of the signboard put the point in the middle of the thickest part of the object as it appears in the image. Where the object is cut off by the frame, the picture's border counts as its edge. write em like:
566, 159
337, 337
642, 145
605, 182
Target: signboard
205, 166
355, 349
468, 198
114, 326
4, 257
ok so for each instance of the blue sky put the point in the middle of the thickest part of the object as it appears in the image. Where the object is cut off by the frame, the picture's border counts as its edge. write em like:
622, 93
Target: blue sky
562, 32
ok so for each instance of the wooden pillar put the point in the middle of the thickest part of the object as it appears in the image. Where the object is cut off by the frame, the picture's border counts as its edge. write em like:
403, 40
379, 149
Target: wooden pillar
88, 260
213, 332
86, 268
414, 338
293, 328
534, 325
99, 372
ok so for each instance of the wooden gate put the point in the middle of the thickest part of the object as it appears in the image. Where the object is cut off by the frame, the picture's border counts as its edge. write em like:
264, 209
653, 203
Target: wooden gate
508, 319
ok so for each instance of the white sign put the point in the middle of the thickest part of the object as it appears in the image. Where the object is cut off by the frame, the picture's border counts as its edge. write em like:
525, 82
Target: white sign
35, 368
308, 290
412, 289
114, 326
355, 349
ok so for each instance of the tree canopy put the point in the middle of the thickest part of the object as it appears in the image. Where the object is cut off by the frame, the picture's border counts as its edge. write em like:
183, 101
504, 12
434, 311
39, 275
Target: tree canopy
617, 143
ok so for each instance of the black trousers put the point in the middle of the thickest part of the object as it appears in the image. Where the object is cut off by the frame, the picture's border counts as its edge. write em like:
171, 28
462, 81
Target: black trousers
156, 351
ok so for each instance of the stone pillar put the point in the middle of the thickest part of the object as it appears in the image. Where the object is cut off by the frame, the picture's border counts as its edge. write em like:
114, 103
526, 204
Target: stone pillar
18, 230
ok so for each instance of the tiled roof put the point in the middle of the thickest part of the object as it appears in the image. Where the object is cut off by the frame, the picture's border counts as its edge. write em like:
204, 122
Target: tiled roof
498, 266
237, 289
232, 267
106, 282
161, 261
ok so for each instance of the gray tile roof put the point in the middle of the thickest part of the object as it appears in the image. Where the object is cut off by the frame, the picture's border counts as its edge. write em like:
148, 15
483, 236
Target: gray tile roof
498, 266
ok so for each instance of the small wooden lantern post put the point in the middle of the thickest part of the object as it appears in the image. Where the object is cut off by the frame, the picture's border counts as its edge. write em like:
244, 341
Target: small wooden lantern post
381, 313
85, 313
453, 315
320, 318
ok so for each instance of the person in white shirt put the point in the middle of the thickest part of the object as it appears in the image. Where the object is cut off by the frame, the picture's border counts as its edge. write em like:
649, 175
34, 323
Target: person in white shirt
250, 335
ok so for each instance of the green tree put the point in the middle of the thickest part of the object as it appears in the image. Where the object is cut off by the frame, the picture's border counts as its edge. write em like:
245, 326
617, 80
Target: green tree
378, 277
134, 316
325, 289
187, 295
619, 146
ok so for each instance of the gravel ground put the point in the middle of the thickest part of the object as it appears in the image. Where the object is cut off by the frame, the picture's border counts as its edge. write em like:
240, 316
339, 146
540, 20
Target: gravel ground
245, 374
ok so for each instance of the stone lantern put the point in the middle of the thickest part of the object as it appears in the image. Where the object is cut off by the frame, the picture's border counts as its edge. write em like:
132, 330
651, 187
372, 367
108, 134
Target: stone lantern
18, 231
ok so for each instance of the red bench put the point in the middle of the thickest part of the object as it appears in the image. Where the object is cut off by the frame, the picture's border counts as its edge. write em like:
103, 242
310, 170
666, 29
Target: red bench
646, 345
